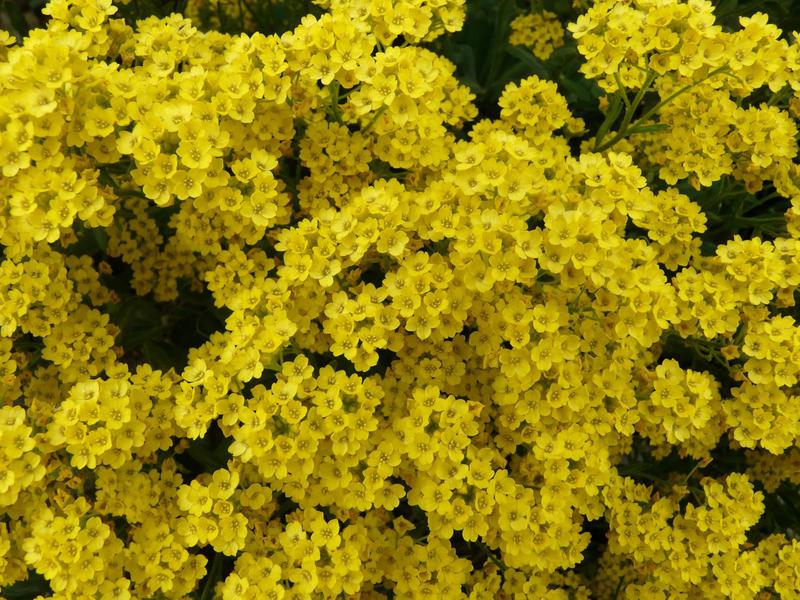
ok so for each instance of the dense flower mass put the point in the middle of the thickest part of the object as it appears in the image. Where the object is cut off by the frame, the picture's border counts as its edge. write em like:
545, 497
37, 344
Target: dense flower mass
541, 32
293, 314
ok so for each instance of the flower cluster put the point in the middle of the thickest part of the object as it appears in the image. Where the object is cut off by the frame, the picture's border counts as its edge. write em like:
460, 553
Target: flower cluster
542, 32
288, 315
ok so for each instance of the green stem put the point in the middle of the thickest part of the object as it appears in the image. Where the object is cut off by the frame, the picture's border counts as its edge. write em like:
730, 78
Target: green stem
626, 127
758, 220
335, 112
761, 201
629, 112
777, 97
677, 93
213, 577
499, 563
618, 589
637, 99
621, 89
631, 472
614, 108
374, 118
690, 473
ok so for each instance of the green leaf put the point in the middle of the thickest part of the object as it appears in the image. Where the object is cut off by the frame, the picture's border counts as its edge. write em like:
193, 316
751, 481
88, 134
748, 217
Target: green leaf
155, 354
527, 57
495, 88
16, 18
502, 24
580, 92
211, 458
726, 7
463, 56
101, 238
34, 586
